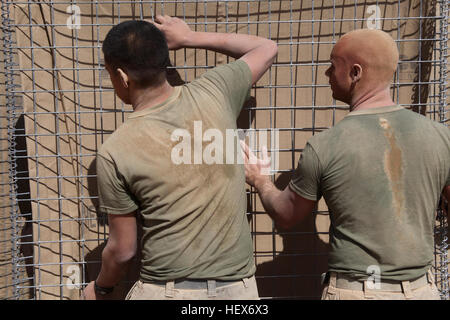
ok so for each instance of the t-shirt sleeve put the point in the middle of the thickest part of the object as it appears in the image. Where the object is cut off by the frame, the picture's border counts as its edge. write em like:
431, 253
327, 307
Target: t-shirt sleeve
112, 192
307, 176
233, 81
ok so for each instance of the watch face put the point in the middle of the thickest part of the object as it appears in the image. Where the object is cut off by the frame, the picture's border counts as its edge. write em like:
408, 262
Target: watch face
101, 292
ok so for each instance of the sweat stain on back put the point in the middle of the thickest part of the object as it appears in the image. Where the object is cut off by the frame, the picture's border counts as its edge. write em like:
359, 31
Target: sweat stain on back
393, 168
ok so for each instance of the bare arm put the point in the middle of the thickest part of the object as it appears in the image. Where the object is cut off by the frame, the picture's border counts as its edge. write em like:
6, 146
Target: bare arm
446, 194
259, 53
120, 249
118, 252
285, 207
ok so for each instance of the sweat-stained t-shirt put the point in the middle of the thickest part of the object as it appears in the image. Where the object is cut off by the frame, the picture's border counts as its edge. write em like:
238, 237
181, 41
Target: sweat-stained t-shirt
381, 172
193, 215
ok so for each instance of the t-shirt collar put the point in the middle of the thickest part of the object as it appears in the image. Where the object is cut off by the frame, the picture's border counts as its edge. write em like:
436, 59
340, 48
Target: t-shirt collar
170, 99
375, 110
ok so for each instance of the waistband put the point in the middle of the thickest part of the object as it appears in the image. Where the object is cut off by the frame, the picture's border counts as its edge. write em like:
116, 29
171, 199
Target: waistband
195, 284
198, 284
342, 281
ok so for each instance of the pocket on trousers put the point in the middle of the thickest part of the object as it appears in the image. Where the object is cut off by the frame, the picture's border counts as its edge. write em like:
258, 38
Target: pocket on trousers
435, 294
132, 291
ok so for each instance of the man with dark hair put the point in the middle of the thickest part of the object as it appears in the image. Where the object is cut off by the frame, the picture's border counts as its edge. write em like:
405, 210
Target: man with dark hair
140, 49
380, 170
196, 241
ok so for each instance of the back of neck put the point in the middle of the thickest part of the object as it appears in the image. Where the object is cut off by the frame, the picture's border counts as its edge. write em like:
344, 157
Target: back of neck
149, 97
372, 99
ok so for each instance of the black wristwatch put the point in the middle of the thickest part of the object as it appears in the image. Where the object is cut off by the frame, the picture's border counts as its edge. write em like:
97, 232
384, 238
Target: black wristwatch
102, 290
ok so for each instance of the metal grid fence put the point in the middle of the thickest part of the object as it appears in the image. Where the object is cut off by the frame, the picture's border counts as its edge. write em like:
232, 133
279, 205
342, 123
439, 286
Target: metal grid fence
59, 107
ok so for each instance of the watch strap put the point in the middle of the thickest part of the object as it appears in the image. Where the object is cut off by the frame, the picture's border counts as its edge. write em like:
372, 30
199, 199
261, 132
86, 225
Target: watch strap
102, 290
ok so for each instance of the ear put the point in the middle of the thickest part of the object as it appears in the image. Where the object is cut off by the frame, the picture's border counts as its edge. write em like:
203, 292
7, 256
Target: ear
123, 78
356, 73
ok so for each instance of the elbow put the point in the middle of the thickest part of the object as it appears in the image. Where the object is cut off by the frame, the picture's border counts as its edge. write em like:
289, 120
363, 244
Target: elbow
282, 220
287, 218
284, 224
120, 254
124, 255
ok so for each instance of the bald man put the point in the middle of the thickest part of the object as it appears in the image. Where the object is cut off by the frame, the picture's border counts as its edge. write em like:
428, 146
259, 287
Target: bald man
381, 171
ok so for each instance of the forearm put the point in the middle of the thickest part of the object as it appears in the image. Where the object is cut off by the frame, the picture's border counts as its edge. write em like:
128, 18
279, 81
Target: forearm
114, 266
274, 204
234, 45
446, 200
258, 53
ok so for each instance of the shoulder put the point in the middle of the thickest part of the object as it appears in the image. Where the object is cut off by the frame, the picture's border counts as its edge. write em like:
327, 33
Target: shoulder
329, 142
416, 119
438, 126
320, 137
119, 137
327, 136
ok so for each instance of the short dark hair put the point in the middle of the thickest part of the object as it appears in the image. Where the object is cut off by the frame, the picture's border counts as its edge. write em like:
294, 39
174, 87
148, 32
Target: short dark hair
140, 49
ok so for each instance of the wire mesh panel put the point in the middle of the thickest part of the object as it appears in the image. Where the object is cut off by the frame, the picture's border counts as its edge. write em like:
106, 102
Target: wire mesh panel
13, 230
69, 109
442, 96
6, 285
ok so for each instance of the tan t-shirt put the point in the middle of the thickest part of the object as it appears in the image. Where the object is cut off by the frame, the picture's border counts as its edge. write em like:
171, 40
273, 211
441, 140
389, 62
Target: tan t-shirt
381, 172
193, 215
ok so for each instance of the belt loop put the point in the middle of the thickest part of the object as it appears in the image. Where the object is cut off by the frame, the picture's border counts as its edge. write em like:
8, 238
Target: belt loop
332, 283
211, 288
170, 286
246, 282
406, 287
430, 277
368, 294
324, 278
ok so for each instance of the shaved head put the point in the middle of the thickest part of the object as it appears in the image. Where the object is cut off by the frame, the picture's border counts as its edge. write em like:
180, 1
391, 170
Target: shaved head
374, 50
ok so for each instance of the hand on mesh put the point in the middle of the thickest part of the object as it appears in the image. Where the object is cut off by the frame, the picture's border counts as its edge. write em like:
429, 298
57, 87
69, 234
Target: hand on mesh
175, 30
255, 169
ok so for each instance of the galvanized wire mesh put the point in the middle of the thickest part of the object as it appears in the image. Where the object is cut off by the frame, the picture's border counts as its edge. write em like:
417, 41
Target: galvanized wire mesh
6, 285
53, 234
12, 273
441, 243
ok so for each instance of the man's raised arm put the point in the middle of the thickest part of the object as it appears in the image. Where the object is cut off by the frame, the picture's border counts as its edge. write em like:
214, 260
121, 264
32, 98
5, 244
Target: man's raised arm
259, 53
